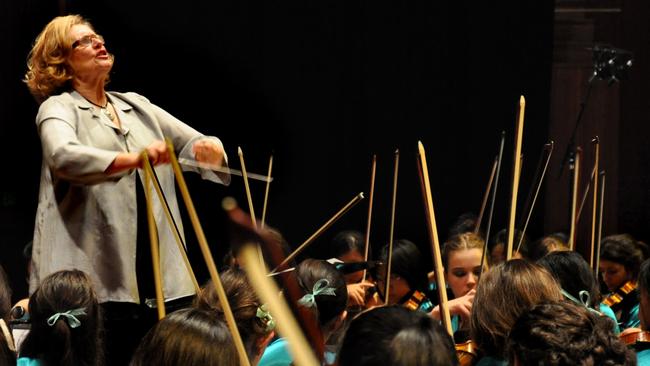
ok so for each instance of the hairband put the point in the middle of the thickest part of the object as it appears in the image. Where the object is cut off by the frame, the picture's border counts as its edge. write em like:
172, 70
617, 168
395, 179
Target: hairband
320, 288
70, 316
584, 300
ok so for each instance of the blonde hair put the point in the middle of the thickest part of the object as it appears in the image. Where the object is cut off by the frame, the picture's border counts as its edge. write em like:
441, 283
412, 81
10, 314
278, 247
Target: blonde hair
47, 67
464, 241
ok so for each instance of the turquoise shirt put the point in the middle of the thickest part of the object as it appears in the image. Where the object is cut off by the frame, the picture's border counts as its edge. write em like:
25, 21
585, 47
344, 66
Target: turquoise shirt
607, 311
26, 361
276, 354
643, 358
633, 321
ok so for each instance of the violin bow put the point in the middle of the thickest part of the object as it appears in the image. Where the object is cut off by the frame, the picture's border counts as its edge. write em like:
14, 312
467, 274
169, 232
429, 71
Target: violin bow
392, 228
539, 178
151, 178
486, 196
433, 236
583, 200
249, 198
281, 266
153, 237
371, 196
207, 256
574, 197
600, 221
269, 293
266, 192
594, 208
493, 199
516, 170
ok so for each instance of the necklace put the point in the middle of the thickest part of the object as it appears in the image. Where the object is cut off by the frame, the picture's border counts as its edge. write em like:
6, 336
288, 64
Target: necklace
104, 109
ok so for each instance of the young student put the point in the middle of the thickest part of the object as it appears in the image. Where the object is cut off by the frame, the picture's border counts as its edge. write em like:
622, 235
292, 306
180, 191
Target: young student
349, 246
408, 278
254, 322
620, 259
577, 280
187, 337
642, 347
563, 333
66, 323
325, 294
461, 259
7, 345
502, 295
394, 335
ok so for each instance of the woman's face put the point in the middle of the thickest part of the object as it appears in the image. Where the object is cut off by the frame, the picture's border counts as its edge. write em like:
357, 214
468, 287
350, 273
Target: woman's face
464, 269
88, 59
614, 274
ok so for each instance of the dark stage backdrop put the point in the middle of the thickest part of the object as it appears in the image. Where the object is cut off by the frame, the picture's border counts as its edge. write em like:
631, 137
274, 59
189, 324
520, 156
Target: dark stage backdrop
321, 85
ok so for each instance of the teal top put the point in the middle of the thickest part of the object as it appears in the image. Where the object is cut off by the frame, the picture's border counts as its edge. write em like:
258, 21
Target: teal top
276, 354
455, 320
26, 361
607, 311
643, 358
633, 321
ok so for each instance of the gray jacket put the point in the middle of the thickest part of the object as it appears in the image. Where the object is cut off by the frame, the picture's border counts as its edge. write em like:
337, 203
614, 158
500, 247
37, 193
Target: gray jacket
86, 219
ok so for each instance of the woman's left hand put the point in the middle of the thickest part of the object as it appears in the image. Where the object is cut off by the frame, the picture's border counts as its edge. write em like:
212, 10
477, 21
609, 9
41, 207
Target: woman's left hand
206, 151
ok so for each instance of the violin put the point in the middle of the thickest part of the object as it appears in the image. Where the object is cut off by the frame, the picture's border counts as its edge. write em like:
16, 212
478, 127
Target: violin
639, 341
467, 353
466, 349
619, 295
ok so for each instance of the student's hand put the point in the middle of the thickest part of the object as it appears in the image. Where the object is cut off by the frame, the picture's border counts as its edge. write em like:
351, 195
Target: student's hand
462, 306
357, 293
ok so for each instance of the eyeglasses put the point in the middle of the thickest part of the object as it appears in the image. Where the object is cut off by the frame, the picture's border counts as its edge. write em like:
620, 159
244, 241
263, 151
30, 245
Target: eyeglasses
86, 41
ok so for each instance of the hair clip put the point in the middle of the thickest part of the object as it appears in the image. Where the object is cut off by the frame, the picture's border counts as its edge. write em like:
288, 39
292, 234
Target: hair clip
266, 317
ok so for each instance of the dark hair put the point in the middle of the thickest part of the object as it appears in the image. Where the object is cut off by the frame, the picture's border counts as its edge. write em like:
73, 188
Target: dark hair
545, 245
188, 337
644, 277
59, 343
625, 250
5, 295
7, 356
328, 307
394, 335
244, 304
465, 223
501, 237
347, 241
502, 295
407, 263
563, 333
573, 273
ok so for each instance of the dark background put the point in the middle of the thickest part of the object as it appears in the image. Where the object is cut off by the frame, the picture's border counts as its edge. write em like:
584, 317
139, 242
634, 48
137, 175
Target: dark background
321, 85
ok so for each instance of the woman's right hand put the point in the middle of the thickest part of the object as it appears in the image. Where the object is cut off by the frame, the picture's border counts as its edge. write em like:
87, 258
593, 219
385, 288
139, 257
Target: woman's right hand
156, 151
